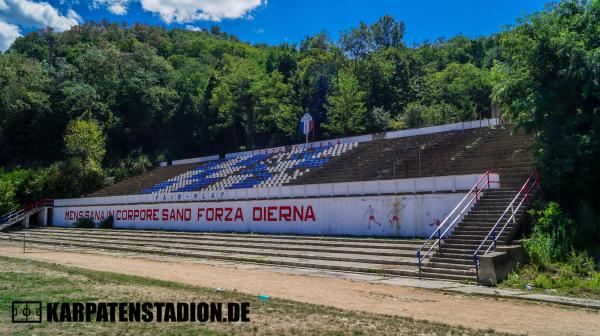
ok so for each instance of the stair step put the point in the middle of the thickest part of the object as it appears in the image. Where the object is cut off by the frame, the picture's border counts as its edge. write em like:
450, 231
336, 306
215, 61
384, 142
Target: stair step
448, 266
471, 247
448, 260
466, 273
457, 251
433, 275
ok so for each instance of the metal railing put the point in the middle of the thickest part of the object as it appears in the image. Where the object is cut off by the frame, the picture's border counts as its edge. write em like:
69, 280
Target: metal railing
484, 182
19, 214
512, 209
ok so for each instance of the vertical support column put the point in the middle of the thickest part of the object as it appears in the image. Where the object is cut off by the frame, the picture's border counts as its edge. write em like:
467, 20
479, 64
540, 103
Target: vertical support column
45, 217
26, 221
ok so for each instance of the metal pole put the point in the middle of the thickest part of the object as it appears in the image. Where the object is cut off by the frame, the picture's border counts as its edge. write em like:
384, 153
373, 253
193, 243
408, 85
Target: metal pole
419, 161
23, 237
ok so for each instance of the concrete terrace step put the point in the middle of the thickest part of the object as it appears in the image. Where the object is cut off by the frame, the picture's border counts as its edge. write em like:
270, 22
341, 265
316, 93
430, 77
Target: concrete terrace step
362, 265
391, 243
401, 251
200, 250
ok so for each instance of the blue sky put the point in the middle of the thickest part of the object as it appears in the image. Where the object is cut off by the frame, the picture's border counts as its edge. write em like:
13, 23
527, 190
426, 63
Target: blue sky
272, 21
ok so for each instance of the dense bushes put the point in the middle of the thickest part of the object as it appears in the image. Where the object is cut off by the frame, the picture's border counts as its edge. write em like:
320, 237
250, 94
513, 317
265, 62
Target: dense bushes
577, 275
13, 189
84, 223
87, 223
554, 262
107, 223
63, 179
553, 235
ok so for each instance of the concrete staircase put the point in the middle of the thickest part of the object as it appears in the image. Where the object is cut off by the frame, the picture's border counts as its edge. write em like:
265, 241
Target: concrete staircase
498, 151
455, 253
385, 256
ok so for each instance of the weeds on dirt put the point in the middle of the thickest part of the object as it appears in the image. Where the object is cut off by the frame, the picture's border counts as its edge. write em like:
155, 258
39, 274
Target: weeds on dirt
576, 276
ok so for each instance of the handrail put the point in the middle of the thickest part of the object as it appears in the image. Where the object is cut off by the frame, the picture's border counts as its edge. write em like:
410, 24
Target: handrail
26, 208
526, 190
456, 213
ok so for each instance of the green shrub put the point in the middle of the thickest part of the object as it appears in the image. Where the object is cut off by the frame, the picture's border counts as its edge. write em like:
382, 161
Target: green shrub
107, 223
139, 165
553, 236
117, 174
15, 189
72, 178
542, 280
85, 223
580, 264
538, 249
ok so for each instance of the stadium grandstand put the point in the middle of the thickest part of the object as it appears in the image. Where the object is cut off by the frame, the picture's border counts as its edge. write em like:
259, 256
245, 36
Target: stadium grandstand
438, 202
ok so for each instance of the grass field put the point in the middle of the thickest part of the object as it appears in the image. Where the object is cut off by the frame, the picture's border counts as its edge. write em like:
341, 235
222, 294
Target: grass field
32, 280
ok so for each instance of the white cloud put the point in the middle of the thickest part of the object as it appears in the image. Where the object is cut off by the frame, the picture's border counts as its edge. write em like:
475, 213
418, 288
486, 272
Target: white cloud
36, 14
117, 7
8, 33
193, 28
258, 30
183, 11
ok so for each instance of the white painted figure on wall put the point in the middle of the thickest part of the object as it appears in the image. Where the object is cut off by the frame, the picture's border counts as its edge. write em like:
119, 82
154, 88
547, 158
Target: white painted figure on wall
394, 216
371, 211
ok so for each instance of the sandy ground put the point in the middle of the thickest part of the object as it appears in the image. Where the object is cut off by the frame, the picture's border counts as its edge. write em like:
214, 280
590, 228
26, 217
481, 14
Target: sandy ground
472, 311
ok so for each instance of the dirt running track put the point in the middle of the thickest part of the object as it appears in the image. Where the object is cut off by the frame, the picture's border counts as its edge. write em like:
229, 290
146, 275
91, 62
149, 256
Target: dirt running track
479, 312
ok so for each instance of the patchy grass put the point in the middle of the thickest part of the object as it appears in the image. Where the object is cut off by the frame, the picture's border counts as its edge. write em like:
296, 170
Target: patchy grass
40, 281
556, 279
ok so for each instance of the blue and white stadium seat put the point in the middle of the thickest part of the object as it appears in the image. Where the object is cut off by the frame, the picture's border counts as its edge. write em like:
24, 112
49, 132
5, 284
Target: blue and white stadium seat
251, 171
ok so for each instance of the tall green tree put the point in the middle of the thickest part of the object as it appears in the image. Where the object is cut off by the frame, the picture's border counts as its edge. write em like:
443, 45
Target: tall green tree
85, 140
549, 85
346, 108
26, 121
252, 102
463, 86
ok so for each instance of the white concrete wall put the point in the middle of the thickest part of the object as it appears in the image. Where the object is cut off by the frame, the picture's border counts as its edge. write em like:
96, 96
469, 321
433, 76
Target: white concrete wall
442, 128
195, 160
411, 215
381, 187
